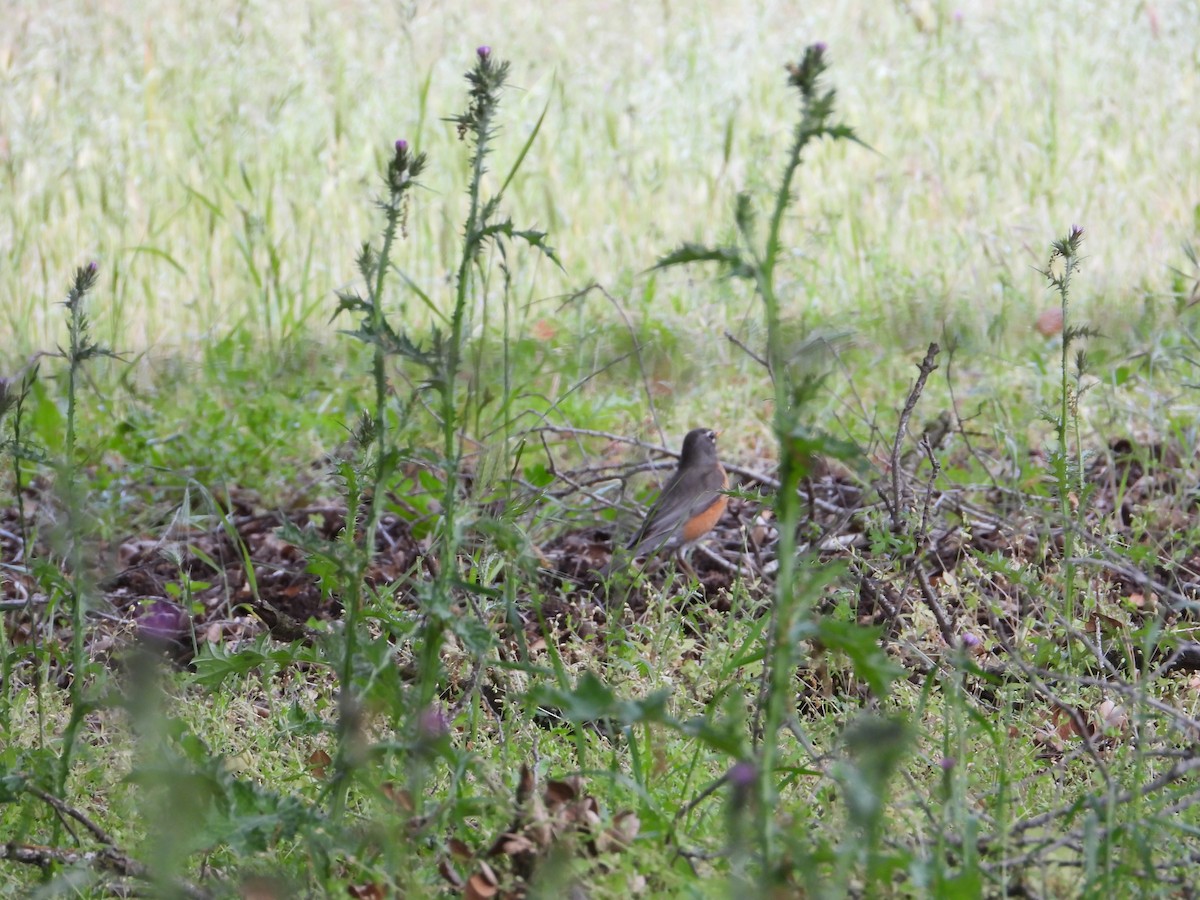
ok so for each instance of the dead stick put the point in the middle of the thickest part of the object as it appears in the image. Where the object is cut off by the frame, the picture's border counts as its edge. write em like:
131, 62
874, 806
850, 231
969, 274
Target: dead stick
928, 364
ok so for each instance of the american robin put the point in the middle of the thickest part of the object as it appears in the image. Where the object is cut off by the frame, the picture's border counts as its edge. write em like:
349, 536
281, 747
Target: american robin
691, 503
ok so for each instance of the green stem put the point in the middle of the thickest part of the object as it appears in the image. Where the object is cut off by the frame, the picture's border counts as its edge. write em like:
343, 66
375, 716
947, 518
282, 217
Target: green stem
74, 554
1065, 486
786, 609
436, 626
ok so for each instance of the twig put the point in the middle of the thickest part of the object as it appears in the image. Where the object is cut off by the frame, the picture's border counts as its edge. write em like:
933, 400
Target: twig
928, 364
730, 336
1176, 772
931, 600
108, 859
882, 594
1141, 580
712, 788
66, 810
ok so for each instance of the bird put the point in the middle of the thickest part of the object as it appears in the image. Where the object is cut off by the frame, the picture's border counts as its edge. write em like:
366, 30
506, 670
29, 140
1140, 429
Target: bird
691, 503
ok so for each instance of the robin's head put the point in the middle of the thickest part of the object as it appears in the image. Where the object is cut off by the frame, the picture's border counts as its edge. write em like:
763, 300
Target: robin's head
700, 445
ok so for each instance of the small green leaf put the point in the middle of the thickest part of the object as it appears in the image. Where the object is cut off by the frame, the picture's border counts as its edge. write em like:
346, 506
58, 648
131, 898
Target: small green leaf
591, 699
861, 645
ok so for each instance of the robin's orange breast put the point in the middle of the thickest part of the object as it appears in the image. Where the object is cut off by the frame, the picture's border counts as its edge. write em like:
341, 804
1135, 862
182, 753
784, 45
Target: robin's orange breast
702, 523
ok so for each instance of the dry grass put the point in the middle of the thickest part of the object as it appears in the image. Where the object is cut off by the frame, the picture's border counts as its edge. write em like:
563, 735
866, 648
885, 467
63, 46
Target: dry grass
183, 145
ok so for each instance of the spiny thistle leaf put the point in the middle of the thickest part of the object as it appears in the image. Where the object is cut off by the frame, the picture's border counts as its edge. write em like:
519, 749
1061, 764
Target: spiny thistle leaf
730, 257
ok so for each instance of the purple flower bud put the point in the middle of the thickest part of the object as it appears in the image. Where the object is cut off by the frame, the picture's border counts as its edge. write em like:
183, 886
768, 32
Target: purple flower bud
971, 641
1076, 232
93, 266
742, 778
742, 775
820, 47
432, 724
162, 621
483, 52
947, 763
401, 145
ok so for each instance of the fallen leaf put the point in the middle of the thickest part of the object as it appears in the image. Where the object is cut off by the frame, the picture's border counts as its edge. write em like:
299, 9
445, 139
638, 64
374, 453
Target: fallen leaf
398, 795
1113, 715
559, 792
447, 871
318, 761
483, 885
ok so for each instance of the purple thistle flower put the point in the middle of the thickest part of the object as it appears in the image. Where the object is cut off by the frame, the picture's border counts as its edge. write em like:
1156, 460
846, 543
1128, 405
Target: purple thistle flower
971, 641
742, 775
947, 763
401, 145
163, 621
432, 723
820, 47
483, 52
93, 266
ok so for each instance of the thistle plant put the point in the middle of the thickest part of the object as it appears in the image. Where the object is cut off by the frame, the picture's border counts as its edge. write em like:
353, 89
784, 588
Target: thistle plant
755, 256
440, 356
366, 485
80, 350
483, 226
1068, 469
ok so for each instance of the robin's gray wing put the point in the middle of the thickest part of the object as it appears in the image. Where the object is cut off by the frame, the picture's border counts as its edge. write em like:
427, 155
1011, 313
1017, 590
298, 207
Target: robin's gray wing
663, 516
714, 483
669, 512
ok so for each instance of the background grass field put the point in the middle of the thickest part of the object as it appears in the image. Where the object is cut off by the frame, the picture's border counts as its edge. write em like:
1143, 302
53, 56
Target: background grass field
220, 162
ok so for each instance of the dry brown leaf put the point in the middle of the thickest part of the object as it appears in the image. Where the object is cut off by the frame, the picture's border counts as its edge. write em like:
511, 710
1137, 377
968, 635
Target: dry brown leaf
590, 813
525, 784
514, 844
627, 825
448, 872
559, 792
318, 761
1113, 715
398, 795
483, 885
1067, 725
458, 849
263, 888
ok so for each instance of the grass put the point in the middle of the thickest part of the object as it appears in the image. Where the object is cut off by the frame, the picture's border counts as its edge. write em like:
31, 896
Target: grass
846, 730
186, 177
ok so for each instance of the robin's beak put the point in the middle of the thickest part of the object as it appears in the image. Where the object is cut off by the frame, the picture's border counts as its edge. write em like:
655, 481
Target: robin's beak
717, 432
